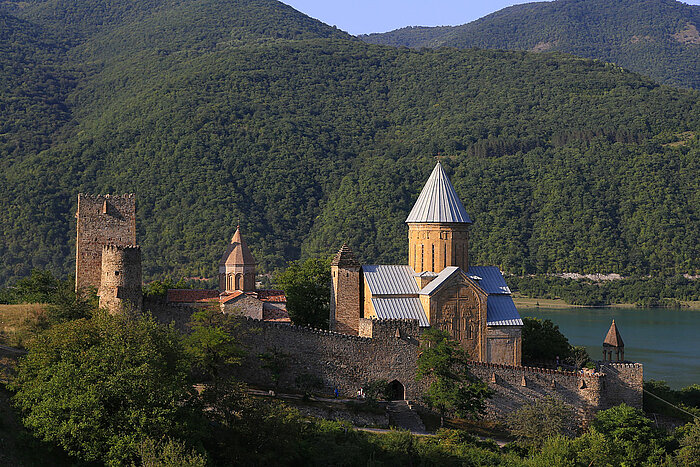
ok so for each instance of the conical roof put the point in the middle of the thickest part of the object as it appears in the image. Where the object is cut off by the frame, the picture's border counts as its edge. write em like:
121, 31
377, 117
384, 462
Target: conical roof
237, 253
613, 338
438, 202
345, 258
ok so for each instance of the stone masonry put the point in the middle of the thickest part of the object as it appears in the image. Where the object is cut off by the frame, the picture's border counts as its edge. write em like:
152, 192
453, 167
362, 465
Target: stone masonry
345, 302
101, 220
120, 284
388, 350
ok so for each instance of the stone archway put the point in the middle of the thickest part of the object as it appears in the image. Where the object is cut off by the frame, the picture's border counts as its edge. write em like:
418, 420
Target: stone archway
395, 391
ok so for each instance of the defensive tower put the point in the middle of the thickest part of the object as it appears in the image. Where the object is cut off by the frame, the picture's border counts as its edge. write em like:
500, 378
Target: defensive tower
237, 266
438, 227
345, 292
101, 220
120, 285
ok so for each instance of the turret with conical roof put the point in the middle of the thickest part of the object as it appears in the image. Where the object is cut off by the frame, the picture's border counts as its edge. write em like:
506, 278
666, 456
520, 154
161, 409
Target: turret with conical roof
438, 227
237, 266
613, 344
345, 309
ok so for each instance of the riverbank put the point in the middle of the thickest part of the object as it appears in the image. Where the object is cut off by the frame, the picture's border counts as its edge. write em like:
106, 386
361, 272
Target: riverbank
527, 303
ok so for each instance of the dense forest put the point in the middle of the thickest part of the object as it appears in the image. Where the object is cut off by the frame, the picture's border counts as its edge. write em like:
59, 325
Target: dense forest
658, 38
219, 111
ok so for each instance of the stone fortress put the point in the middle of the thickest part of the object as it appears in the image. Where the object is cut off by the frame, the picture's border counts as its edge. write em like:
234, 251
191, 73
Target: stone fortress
378, 312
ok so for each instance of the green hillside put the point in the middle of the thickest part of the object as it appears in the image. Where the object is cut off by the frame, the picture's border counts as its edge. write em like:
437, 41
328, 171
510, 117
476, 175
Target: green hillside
658, 38
308, 137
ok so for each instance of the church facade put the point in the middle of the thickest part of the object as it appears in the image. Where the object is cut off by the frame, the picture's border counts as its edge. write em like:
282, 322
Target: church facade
438, 287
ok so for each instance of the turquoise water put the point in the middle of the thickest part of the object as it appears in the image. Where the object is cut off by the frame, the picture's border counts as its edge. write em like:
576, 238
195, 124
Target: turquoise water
667, 342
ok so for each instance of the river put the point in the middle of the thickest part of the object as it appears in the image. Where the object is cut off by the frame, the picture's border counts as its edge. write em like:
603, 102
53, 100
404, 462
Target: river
667, 342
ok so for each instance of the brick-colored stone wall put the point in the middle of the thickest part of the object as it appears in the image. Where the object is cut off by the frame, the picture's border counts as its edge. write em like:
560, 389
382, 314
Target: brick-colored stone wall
120, 283
459, 308
433, 247
101, 220
345, 299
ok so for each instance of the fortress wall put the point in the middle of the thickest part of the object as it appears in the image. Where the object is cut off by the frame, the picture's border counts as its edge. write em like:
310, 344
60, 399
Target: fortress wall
624, 382
334, 360
348, 362
515, 386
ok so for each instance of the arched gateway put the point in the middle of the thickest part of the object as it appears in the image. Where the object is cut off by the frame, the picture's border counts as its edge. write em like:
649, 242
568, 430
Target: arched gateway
395, 391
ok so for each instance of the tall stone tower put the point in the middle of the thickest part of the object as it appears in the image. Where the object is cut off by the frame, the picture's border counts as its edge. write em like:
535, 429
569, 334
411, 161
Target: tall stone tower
345, 292
101, 220
237, 266
438, 227
120, 284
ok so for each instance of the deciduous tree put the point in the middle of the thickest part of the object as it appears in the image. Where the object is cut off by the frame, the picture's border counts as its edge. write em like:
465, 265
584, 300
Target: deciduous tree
98, 387
453, 389
307, 287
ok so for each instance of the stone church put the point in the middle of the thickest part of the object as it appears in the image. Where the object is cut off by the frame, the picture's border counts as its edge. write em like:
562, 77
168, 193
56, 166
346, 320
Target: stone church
438, 287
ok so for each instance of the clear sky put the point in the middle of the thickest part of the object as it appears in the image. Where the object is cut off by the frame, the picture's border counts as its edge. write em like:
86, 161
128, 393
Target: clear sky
366, 16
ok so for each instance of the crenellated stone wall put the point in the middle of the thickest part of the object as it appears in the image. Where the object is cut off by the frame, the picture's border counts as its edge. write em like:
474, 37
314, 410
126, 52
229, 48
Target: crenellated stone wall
388, 350
515, 386
333, 359
624, 382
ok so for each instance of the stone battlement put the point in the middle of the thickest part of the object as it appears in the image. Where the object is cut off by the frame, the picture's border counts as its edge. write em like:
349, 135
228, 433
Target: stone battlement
108, 196
303, 329
534, 369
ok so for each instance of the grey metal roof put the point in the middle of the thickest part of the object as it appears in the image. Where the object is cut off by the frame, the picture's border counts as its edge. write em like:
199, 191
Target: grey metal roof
438, 202
501, 311
400, 308
437, 282
490, 279
390, 279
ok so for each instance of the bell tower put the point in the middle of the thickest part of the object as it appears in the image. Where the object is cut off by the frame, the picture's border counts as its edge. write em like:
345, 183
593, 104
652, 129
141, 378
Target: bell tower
237, 266
438, 227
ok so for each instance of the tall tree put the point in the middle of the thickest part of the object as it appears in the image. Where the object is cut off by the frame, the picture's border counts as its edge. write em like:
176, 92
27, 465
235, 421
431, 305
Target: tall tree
453, 389
307, 286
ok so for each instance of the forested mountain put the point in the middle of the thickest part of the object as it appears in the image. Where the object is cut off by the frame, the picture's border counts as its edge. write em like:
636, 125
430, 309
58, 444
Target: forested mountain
658, 38
220, 111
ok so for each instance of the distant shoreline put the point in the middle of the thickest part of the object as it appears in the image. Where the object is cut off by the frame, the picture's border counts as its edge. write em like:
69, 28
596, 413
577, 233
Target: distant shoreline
526, 303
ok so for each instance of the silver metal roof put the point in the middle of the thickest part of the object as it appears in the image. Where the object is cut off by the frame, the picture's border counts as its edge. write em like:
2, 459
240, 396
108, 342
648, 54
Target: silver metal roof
490, 279
400, 308
434, 284
390, 280
501, 311
438, 202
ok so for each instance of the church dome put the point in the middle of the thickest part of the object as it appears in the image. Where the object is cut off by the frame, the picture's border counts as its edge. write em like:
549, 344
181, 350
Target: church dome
438, 202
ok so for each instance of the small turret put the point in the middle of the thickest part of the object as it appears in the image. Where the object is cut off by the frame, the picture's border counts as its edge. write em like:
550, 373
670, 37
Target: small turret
345, 292
120, 284
613, 344
237, 266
